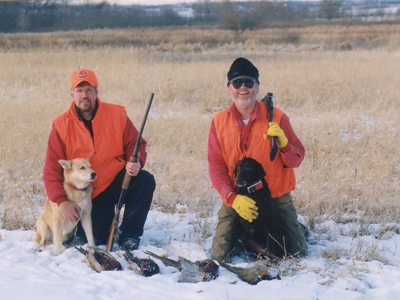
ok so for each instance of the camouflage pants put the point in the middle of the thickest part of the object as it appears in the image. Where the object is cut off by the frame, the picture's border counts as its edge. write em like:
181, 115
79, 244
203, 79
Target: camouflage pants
226, 236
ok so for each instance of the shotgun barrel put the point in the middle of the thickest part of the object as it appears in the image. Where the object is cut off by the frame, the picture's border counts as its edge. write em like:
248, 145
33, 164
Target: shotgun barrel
126, 182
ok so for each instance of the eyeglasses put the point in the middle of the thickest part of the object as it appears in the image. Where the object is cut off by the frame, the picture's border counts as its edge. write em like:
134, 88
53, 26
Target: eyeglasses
247, 83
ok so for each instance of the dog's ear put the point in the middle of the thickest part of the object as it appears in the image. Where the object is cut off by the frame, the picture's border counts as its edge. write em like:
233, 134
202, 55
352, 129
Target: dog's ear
88, 158
261, 172
65, 163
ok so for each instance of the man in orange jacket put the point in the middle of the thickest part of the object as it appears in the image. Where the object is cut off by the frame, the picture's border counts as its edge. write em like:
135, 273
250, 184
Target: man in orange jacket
240, 131
102, 132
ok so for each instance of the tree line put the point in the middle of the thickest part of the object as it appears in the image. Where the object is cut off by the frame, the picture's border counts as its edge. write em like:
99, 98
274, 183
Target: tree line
51, 15
35, 16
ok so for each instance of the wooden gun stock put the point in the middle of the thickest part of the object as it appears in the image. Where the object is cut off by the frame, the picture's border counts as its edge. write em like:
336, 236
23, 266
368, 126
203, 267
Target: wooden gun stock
113, 230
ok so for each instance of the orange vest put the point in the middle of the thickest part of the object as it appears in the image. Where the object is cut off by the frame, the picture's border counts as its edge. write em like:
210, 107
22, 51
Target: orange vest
281, 180
105, 150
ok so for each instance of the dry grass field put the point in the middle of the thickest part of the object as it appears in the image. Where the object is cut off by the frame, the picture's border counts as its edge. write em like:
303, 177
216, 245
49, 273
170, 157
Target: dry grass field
338, 84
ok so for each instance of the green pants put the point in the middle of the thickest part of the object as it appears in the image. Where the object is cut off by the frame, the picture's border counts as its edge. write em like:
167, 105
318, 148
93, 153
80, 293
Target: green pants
227, 234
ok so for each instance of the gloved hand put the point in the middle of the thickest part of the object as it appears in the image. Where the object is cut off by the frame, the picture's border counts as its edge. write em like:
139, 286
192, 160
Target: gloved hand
275, 130
245, 207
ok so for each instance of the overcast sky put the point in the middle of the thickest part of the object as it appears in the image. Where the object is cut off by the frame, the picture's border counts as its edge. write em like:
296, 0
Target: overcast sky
149, 2
142, 2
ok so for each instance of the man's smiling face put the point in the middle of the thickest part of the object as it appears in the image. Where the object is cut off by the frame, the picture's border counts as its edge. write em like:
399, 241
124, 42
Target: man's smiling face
84, 95
244, 95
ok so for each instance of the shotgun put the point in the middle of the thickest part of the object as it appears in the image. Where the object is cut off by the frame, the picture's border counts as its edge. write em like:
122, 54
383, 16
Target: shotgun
270, 116
126, 182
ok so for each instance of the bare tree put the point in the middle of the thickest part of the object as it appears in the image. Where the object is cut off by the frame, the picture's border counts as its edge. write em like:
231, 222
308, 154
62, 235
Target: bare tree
238, 16
330, 9
204, 10
229, 16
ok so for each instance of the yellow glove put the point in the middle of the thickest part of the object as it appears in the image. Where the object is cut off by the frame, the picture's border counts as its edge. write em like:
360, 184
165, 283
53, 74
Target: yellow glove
275, 130
245, 207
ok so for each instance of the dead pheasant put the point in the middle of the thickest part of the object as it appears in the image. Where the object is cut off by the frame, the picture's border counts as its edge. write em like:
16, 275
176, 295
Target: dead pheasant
165, 260
99, 259
142, 266
253, 275
205, 270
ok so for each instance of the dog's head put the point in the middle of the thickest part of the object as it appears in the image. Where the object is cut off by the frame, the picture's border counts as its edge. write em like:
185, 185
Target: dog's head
78, 172
248, 171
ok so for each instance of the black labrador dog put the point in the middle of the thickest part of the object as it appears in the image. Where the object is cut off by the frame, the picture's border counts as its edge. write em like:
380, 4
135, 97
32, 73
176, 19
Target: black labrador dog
260, 236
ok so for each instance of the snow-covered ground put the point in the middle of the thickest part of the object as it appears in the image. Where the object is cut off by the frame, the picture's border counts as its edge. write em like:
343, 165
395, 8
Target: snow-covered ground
338, 266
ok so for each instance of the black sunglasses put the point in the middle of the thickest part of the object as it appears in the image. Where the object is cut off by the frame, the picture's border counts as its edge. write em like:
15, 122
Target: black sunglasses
247, 83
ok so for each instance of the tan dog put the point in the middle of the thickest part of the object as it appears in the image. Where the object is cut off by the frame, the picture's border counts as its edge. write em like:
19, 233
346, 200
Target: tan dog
51, 225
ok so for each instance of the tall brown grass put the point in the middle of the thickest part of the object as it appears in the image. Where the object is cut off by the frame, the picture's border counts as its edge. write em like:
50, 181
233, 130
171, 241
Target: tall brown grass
340, 92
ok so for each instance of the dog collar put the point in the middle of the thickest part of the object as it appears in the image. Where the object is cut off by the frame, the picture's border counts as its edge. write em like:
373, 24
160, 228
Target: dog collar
75, 188
255, 187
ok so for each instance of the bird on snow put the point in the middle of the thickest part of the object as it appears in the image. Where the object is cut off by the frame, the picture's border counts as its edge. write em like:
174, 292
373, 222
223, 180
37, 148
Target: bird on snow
205, 270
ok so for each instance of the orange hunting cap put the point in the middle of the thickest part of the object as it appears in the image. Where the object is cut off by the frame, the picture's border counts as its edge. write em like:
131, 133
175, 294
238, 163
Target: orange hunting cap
83, 75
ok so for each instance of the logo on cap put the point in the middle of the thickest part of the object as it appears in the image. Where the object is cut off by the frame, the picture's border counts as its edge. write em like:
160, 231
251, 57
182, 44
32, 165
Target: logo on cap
83, 74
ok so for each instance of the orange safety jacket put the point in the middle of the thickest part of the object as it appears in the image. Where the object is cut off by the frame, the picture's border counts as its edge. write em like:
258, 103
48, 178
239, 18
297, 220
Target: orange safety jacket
105, 150
280, 179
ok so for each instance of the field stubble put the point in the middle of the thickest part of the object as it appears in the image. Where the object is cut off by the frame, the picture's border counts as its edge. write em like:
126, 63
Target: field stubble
343, 105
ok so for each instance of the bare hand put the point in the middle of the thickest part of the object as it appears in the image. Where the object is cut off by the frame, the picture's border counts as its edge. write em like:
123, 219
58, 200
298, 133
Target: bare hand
133, 168
70, 211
